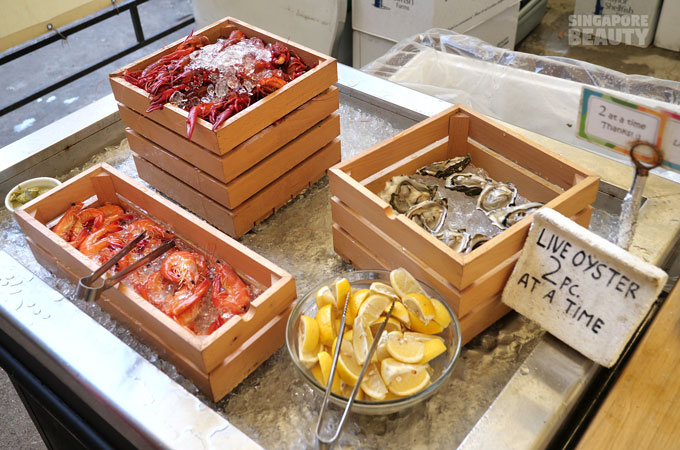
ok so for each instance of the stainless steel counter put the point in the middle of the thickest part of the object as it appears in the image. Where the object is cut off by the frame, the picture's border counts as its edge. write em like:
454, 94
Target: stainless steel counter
510, 365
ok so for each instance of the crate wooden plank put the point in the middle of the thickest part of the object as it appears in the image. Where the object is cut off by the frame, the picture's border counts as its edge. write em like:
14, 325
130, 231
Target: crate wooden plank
234, 193
249, 121
356, 181
245, 155
206, 352
240, 220
223, 378
485, 314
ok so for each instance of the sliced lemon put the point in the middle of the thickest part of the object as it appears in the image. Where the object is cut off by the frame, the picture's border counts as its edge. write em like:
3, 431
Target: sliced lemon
400, 313
347, 367
392, 325
348, 335
420, 306
308, 359
325, 362
441, 314
381, 349
316, 371
405, 349
325, 318
430, 328
362, 339
422, 337
308, 333
355, 303
409, 383
372, 308
433, 348
346, 391
342, 288
378, 287
404, 283
373, 384
324, 296
391, 368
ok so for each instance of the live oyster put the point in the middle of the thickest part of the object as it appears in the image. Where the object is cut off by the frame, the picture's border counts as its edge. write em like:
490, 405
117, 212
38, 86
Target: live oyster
476, 241
402, 192
443, 169
457, 240
430, 214
506, 217
496, 196
468, 183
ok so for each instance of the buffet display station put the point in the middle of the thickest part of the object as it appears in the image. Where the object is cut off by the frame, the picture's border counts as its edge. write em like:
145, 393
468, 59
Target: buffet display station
514, 385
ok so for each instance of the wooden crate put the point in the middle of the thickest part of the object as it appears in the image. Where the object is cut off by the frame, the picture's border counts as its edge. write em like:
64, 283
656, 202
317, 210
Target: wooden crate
393, 255
223, 378
227, 167
537, 172
109, 185
251, 120
238, 221
258, 177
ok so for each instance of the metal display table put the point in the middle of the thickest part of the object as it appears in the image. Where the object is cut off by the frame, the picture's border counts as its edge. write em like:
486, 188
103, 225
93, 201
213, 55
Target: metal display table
514, 386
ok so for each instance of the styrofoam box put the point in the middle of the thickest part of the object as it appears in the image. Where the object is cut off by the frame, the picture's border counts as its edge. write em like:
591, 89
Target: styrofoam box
667, 30
499, 30
648, 8
397, 19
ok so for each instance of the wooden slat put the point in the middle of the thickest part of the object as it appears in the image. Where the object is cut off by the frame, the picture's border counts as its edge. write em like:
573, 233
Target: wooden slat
459, 129
245, 155
251, 120
643, 408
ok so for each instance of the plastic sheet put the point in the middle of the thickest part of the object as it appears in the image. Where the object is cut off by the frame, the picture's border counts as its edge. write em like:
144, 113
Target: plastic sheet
538, 93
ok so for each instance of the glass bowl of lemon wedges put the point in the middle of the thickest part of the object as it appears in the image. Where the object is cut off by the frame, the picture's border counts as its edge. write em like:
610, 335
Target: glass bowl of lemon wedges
416, 352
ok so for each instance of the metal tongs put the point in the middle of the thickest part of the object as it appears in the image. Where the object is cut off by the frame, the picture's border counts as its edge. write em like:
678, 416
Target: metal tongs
327, 443
630, 208
86, 291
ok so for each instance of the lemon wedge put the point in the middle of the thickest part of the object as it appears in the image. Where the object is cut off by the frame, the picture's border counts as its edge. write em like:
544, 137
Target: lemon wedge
373, 384
391, 368
378, 287
420, 306
308, 359
372, 308
411, 382
325, 318
422, 337
342, 288
400, 313
362, 339
404, 283
347, 367
308, 333
354, 304
392, 325
441, 314
316, 371
405, 349
433, 348
324, 297
325, 362
419, 326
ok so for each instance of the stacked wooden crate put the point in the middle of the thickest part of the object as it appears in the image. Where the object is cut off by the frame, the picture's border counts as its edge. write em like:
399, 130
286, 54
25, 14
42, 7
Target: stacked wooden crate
215, 363
239, 174
370, 234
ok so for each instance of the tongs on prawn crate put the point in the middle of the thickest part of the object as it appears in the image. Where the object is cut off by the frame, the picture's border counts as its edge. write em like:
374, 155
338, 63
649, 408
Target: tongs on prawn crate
328, 442
86, 291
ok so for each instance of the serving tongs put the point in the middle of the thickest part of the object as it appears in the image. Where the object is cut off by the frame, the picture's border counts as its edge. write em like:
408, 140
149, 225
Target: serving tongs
86, 291
328, 442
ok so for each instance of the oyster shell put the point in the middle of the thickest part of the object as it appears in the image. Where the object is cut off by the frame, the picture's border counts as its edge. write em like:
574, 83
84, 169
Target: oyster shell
443, 169
476, 241
457, 240
506, 217
430, 214
402, 192
496, 196
468, 183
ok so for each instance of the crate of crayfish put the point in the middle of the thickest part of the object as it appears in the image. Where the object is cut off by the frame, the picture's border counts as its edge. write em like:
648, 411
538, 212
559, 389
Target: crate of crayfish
224, 84
209, 305
451, 200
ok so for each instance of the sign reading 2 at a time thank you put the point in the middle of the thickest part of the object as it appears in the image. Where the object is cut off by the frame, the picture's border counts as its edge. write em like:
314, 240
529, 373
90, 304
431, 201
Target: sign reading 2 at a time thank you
584, 290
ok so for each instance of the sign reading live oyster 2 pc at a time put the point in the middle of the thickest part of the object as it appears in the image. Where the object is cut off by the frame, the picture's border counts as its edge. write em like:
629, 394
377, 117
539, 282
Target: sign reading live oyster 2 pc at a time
583, 289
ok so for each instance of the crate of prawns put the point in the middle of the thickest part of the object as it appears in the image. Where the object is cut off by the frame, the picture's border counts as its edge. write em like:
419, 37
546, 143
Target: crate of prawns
209, 305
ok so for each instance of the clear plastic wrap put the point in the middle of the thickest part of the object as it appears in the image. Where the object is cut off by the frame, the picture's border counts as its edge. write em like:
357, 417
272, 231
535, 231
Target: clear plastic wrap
538, 93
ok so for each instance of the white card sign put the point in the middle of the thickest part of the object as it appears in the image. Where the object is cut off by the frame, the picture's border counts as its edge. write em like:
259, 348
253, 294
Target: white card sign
583, 289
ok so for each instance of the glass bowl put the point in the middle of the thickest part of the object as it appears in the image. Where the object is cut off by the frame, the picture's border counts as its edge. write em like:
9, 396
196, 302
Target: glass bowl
442, 365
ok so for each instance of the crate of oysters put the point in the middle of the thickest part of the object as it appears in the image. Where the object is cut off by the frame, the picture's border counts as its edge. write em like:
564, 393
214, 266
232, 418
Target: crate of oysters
450, 199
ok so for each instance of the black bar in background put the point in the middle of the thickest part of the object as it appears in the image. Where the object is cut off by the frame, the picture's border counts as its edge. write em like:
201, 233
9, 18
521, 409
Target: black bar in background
136, 23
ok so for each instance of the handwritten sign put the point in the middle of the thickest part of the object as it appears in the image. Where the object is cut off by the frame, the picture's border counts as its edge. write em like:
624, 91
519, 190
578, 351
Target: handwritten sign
583, 289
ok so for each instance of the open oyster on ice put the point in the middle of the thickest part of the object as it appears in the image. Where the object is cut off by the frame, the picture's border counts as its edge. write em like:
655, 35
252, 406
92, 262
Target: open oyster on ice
496, 196
402, 192
443, 169
468, 183
476, 241
506, 217
457, 240
430, 214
